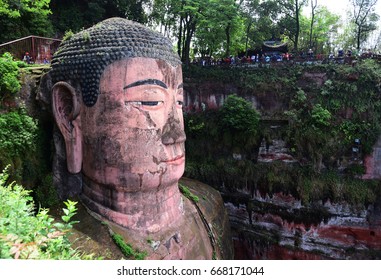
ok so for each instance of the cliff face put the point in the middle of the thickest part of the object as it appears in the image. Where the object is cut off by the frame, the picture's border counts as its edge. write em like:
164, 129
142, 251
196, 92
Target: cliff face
211, 95
279, 227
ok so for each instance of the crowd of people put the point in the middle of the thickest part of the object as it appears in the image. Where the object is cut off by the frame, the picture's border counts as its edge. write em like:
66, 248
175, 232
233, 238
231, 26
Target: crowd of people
27, 58
285, 57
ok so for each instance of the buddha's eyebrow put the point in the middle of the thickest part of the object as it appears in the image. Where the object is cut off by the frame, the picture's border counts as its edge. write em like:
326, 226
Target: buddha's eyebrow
147, 82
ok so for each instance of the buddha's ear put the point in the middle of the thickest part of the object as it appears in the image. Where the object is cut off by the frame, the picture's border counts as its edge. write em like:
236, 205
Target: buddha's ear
66, 111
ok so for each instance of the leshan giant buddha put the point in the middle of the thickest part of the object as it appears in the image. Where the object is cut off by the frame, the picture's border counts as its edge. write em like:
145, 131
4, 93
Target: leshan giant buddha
117, 96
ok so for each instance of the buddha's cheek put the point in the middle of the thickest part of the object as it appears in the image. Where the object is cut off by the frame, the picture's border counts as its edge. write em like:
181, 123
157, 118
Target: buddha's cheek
143, 149
137, 150
138, 118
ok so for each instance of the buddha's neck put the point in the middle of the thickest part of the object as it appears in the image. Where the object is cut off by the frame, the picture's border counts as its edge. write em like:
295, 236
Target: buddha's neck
148, 211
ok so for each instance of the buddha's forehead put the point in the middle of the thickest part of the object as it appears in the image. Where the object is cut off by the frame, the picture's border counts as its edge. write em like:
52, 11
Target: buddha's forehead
127, 71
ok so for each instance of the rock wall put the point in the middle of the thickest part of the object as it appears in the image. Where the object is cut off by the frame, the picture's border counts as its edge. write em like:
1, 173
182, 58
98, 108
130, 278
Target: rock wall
199, 96
372, 162
279, 227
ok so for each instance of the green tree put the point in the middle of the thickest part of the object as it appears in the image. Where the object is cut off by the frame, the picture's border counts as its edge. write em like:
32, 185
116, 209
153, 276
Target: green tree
220, 28
365, 19
164, 15
9, 76
324, 32
292, 10
229, 16
266, 24
238, 115
181, 18
77, 14
24, 18
249, 13
313, 14
239, 123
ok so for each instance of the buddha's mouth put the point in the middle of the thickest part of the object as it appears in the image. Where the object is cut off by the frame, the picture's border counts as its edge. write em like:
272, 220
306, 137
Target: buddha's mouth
176, 160
175, 154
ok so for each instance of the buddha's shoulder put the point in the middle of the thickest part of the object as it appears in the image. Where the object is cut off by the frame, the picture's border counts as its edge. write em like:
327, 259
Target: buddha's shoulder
210, 205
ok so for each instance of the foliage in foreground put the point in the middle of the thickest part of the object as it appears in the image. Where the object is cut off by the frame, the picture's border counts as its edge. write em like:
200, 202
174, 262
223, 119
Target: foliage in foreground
9, 71
24, 235
18, 138
24, 146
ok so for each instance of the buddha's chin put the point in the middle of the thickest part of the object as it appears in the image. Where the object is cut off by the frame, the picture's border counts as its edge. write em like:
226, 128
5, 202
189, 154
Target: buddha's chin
174, 172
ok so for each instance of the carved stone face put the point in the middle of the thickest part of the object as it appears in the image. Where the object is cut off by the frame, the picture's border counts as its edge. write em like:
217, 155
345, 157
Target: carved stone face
133, 138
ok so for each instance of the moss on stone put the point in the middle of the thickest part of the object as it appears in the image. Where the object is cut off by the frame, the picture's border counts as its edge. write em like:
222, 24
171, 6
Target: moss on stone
187, 193
127, 249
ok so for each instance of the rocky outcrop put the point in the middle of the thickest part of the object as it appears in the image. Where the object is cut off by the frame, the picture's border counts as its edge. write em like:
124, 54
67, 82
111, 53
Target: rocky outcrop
372, 162
200, 96
280, 227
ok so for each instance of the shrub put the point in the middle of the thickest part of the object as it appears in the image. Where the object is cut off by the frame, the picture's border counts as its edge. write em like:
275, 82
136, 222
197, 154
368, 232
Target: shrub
17, 133
17, 139
9, 83
238, 115
24, 235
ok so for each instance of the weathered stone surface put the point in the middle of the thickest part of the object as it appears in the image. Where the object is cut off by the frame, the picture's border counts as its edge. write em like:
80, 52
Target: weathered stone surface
214, 211
208, 95
118, 106
202, 233
372, 162
281, 228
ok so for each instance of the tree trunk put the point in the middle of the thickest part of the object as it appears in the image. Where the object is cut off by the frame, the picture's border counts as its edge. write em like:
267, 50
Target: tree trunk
179, 39
297, 29
190, 29
312, 22
247, 36
358, 38
227, 32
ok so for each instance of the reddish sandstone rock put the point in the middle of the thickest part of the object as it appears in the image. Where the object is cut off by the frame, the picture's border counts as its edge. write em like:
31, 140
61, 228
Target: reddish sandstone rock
208, 218
278, 227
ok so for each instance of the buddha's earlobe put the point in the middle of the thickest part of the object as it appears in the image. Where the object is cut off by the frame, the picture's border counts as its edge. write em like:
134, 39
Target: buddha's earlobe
66, 109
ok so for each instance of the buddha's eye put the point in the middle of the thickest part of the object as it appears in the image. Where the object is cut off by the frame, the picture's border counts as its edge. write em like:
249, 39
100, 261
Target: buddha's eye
151, 103
145, 103
180, 103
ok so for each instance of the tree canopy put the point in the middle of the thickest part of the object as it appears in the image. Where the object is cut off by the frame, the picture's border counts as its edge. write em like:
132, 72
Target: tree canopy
23, 18
203, 28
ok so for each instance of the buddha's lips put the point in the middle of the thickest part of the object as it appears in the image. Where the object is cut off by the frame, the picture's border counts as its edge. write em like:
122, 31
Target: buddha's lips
176, 160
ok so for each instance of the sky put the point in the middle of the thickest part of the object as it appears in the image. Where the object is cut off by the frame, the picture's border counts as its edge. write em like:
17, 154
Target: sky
341, 6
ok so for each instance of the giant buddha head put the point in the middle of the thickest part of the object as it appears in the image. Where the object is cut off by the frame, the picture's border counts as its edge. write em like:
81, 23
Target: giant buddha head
117, 100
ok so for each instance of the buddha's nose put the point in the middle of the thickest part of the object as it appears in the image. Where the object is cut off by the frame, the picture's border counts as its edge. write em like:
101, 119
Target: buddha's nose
173, 130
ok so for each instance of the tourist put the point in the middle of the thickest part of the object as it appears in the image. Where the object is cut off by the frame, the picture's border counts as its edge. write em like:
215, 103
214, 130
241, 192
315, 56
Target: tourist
27, 58
310, 53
